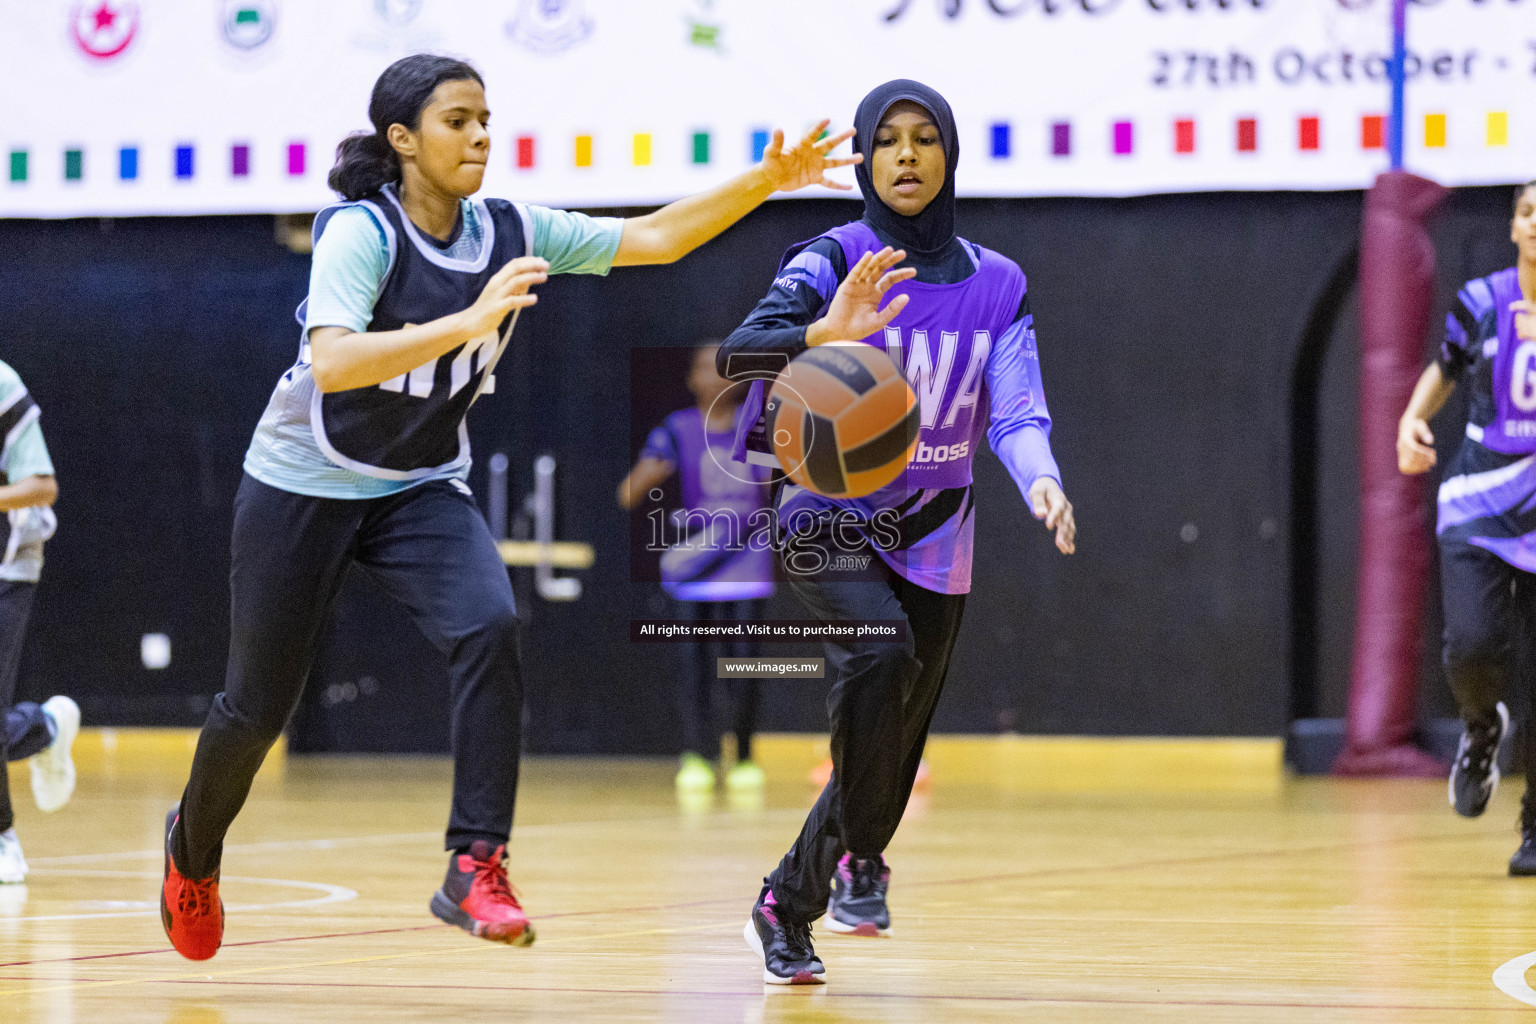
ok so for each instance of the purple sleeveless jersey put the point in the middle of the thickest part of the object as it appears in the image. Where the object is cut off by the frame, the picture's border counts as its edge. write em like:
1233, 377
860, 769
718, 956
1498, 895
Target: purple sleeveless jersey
967, 360
1513, 430
714, 562
1488, 496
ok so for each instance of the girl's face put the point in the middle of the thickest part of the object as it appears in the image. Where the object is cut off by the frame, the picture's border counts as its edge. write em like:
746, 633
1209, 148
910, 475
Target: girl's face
1522, 230
707, 385
907, 166
451, 145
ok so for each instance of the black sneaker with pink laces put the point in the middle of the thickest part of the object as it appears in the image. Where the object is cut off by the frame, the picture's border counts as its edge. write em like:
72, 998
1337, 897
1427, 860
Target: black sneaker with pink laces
783, 943
857, 906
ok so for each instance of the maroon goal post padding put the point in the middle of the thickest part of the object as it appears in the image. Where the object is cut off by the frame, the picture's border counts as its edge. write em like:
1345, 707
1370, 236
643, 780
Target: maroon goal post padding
1397, 278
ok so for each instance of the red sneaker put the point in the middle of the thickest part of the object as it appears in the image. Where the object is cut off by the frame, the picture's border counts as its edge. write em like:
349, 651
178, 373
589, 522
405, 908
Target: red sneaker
190, 908
476, 896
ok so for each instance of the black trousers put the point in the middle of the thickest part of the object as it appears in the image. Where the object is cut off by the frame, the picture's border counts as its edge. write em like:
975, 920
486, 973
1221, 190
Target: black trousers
26, 727
881, 705
430, 549
1488, 603
696, 680
1489, 606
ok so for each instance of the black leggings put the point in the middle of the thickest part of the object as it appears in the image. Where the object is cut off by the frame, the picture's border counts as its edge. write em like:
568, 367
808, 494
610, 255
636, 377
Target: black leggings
881, 705
26, 727
430, 549
696, 679
1489, 607
1487, 603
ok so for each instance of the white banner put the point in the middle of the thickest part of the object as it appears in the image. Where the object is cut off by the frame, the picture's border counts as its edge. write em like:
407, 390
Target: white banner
120, 107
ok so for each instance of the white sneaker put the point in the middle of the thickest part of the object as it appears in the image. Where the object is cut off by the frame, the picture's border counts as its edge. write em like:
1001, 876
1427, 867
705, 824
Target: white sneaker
53, 770
13, 866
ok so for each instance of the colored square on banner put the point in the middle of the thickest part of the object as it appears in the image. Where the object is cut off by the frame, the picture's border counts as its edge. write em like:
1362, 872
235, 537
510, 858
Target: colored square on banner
583, 151
1061, 139
1124, 138
295, 159
1247, 135
525, 152
184, 162
1309, 132
1002, 141
1498, 128
759, 144
128, 163
240, 160
18, 165
1373, 132
642, 149
701, 147
74, 165
1434, 131
1184, 136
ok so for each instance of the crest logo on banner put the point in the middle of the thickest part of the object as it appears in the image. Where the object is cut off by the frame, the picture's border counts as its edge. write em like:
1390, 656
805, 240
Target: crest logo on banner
549, 26
247, 24
395, 28
105, 28
398, 12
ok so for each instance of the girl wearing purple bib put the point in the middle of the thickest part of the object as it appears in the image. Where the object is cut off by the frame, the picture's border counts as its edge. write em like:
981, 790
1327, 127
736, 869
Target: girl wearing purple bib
713, 574
958, 324
1487, 508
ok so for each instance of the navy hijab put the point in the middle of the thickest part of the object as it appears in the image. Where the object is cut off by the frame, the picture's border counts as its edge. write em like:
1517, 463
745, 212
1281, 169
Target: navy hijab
929, 232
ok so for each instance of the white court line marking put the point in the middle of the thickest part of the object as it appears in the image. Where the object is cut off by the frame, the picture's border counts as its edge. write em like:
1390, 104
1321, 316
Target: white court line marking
329, 894
270, 847
281, 845
1509, 978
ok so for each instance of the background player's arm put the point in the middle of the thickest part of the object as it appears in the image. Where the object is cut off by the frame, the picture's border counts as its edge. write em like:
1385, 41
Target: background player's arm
28, 492
648, 472
675, 230
342, 359
1415, 441
1469, 323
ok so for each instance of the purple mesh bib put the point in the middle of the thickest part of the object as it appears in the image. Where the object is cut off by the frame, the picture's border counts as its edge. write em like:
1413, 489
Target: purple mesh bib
1513, 430
941, 342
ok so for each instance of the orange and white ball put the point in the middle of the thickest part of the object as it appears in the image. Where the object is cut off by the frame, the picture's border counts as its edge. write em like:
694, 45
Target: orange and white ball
842, 420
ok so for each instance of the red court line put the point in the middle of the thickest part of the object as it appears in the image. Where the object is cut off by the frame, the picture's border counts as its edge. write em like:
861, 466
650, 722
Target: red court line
227, 945
1041, 873
821, 993
347, 935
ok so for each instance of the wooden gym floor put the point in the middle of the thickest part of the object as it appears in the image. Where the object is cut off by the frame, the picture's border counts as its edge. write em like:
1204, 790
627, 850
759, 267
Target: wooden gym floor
1037, 881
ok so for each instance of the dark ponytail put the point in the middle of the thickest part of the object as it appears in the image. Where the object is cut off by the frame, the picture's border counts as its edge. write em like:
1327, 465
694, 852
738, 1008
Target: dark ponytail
365, 161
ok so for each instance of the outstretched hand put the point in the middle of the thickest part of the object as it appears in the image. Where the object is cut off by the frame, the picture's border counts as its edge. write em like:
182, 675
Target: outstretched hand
505, 291
806, 162
1049, 502
854, 313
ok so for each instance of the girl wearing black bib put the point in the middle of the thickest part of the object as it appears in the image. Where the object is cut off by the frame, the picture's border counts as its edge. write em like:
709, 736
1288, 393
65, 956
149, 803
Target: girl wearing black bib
361, 456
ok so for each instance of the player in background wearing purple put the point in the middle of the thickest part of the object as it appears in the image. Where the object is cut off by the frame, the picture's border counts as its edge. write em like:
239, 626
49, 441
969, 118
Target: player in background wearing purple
958, 324
712, 574
361, 455
1487, 509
